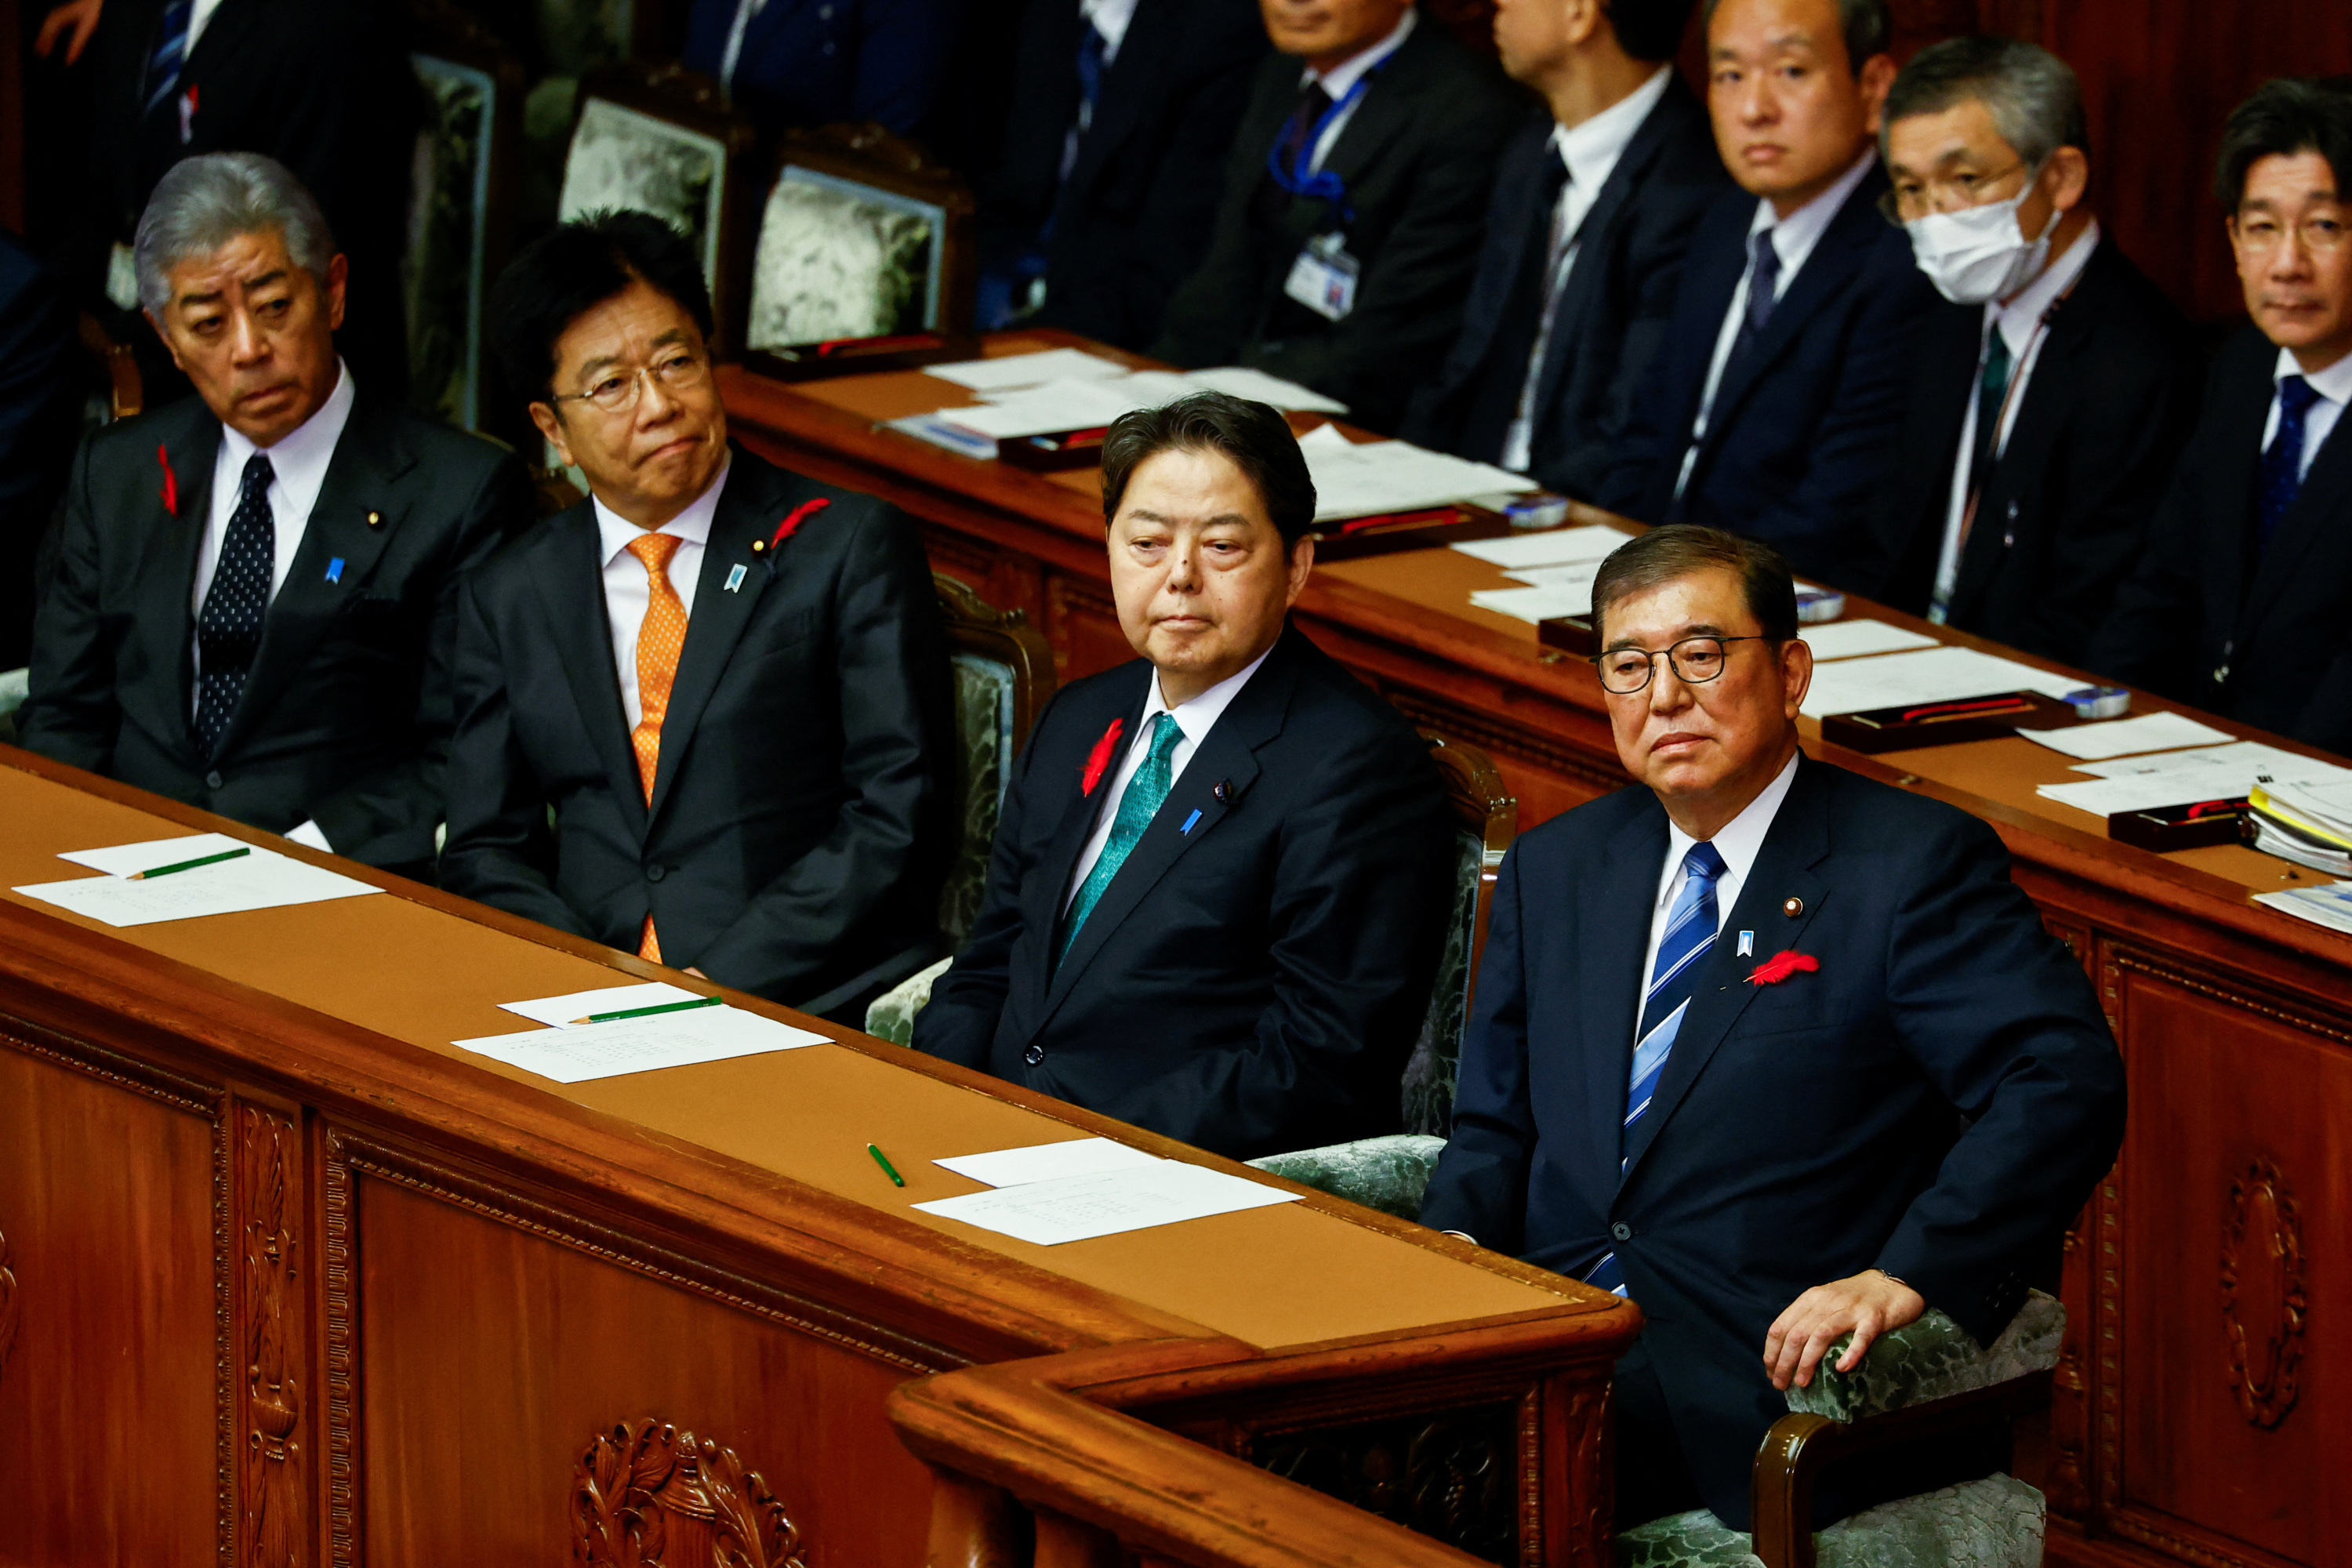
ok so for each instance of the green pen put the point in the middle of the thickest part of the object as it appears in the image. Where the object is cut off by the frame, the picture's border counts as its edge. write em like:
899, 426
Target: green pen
649, 1012
883, 1160
188, 864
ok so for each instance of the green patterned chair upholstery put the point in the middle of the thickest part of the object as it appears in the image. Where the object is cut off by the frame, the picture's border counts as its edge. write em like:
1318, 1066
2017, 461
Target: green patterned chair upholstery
14, 686
1003, 671
460, 217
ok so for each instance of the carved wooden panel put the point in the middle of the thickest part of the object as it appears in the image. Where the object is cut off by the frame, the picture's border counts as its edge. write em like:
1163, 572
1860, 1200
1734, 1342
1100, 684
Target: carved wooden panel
2263, 1296
273, 1453
1453, 1476
648, 1494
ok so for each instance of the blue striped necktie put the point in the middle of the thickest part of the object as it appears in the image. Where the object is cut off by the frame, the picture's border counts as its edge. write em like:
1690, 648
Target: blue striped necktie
170, 54
1690, 937
1136, 806
2281, 470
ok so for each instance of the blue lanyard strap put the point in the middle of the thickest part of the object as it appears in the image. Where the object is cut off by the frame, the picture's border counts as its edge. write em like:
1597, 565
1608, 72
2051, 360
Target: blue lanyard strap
1322, 182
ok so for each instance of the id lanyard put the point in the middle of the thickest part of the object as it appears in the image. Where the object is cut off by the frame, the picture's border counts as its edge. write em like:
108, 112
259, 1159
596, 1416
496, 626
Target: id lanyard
1322, 182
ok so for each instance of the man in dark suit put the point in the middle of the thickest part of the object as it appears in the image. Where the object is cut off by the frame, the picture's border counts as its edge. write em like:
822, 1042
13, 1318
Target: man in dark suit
255, 592
1105, 187
1772, 408
1777, 1051
324, 89
704, 714
1214, 904
2241, 601
1594, 205
820, 62
2051, 396
1352, 200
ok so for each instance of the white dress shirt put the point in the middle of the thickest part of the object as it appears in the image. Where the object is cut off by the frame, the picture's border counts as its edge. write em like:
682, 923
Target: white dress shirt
1195, 717
1341, 79
2333, 385
199, 13
627, 590
1793, 240
298, 467
1111, 18
1740, 841
1589, 150
2019, 319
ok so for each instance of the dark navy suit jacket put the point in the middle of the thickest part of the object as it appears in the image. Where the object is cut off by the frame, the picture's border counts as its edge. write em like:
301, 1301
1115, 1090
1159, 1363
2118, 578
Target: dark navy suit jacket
1252, 985
813, 62
1804, 426
1937, 1100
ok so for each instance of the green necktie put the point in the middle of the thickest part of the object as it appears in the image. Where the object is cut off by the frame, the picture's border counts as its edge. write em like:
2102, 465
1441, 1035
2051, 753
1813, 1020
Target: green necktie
1992, 391
1136, 807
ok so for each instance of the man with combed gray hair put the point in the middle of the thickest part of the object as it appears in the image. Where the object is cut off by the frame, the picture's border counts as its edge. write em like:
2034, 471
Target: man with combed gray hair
2052, 393
255, 589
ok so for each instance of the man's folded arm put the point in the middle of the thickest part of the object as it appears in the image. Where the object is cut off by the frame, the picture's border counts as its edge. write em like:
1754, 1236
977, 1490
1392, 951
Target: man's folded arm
71, 713
1480, 1186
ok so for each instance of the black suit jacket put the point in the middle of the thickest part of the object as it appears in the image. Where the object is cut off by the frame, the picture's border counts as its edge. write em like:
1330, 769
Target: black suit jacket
2253, 634
2064, 514
1801, 1131
346, 713
39, 419
1802, 429
1133, 216
1611, 314
1253, 985
1417, 157
798, 828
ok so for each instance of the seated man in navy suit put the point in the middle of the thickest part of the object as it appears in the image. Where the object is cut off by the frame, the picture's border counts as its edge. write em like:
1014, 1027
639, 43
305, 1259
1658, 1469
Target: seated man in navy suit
1772, 406
1214, 904
1775, 1051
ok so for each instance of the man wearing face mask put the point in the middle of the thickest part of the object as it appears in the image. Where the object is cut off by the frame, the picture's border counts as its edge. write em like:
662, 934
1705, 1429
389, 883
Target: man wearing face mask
2052, 395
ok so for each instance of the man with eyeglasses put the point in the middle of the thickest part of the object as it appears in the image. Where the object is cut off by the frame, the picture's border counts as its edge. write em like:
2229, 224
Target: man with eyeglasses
703, 715
2242, 598
2050, 398
1777, 1051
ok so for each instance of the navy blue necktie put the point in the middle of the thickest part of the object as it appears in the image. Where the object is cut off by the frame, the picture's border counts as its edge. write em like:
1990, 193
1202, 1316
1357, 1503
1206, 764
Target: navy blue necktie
170, 54
228, 630
2282, 463
1763, 285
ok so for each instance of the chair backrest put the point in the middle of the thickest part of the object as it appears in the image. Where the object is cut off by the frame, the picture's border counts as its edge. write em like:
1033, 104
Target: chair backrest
1003, 671
1486, 818
460, 221
862, 236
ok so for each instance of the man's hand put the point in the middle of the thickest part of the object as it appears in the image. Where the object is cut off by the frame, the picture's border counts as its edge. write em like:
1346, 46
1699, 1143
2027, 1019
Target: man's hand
76, 20
1871, 1304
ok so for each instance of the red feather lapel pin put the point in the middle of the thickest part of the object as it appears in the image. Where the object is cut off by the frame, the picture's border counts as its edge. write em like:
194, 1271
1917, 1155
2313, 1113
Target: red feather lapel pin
786, 529
1099, 758
170, 482
1781, 966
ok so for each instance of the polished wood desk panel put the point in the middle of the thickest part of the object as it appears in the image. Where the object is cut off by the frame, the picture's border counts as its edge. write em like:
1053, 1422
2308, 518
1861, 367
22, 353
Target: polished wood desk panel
2196, 1417
286, 1278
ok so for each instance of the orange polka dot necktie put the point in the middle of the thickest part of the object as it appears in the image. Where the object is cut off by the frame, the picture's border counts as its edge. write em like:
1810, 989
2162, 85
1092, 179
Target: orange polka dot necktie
660, 640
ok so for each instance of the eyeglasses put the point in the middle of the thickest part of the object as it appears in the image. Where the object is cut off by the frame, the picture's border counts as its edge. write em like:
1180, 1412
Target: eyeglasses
1950, 193
618, 390
1695, 660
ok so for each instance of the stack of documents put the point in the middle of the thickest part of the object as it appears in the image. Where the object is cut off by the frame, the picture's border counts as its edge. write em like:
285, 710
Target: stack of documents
2182, 778
2330, 906
1055, 1192
1930, 675
1371, 479
1527, 556
1853, 639
2308, 822
138, 890
1069, 389
2123, 737
672, 1027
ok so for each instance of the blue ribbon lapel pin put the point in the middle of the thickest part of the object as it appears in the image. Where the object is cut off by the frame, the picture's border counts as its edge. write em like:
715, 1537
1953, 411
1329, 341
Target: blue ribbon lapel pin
735, 579
335, 570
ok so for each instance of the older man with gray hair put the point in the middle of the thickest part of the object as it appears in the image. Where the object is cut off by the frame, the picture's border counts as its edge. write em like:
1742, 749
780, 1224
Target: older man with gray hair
2051, 394
255, 589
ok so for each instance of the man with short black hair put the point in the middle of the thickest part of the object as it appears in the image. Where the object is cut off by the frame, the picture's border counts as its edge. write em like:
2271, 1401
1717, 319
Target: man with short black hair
1595, 201
1779, 1052
703, 715
1215, 903
1772, 407
2241, 601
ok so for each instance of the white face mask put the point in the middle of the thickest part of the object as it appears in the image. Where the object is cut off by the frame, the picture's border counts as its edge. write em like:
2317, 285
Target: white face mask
1980, 253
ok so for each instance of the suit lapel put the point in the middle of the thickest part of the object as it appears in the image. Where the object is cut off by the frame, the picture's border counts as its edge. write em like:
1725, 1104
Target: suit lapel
1580, 293
1798, 840
1049, 887
1381, 115
569, 576
1610, 984
167, 575
2313, 516
1823, 276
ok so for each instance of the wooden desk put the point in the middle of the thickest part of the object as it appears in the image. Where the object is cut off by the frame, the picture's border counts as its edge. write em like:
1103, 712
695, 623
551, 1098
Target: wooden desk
2197, 1420
287, 1278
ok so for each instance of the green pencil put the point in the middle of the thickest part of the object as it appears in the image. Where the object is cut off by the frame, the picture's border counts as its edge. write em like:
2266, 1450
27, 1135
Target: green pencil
882, 1160
188, 864
649, 1012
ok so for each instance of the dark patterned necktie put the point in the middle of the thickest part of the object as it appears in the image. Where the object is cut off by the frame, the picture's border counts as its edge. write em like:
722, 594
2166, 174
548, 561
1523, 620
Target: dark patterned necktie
229, 631
170, 54
1763, 283
2282, 463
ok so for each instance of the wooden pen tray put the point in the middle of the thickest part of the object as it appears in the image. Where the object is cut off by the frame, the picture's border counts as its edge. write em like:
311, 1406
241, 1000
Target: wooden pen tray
1947, 724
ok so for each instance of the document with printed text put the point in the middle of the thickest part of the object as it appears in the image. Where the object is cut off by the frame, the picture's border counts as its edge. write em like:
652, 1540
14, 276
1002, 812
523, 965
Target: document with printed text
255, 879
1109, 1203
642, 1044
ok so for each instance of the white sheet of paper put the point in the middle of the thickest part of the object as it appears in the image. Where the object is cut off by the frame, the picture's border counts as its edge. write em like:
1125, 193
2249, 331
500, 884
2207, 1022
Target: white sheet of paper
641, 1044
2329, 905
2122, 737
1851, 640
263, 880
2140, 792
1324, 439
1551, 547
2244, 759
125, 859
1057, 406
1109, 1203
1930, 675
1362, 479
559, 1011
1027, 370
1047, 1162
1541, 602
1242, 381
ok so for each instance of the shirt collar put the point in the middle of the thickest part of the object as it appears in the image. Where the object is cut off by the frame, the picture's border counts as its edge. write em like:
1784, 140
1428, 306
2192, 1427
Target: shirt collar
1590, 148
1342, 79
1741, 839
2333, 383
299, 461
1198, 715
2024, 312
1795, 235
1111, 19
692, 525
